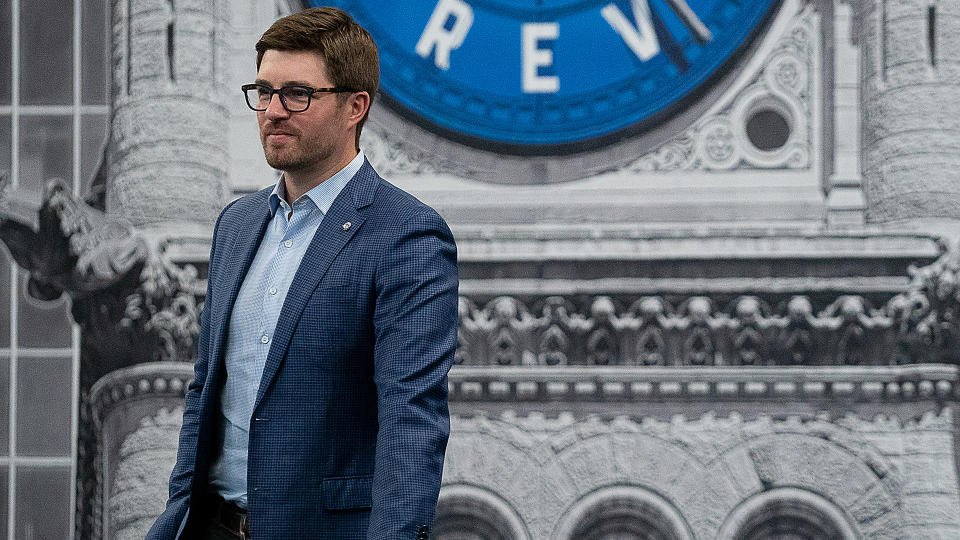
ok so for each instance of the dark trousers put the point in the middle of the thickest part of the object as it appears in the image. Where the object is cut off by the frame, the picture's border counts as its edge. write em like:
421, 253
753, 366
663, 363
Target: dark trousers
210, 529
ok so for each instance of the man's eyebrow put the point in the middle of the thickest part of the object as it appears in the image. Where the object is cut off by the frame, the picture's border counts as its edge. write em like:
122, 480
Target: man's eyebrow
287, 83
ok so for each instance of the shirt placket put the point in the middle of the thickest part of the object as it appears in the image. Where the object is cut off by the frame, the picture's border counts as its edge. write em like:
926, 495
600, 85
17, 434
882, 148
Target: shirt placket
270, 290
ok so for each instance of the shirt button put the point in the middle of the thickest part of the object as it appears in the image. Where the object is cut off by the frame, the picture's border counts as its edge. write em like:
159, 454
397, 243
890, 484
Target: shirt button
288, 243
272, 290
264, 340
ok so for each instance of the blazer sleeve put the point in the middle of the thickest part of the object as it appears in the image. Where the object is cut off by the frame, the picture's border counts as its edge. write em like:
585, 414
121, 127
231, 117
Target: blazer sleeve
169, 523
415, 325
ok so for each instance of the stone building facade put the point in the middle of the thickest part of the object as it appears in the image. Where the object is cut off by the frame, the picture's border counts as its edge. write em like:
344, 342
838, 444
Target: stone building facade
740, 324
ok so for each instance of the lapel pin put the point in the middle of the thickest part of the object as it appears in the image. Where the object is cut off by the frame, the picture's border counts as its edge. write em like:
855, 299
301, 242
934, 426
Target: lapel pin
346, 226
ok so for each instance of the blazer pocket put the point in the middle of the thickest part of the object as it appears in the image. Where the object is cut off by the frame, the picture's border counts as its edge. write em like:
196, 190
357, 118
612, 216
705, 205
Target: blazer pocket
334, 307
347, 493
331, 329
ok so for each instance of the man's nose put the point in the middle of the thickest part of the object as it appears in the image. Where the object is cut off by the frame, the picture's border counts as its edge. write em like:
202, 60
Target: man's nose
275, 108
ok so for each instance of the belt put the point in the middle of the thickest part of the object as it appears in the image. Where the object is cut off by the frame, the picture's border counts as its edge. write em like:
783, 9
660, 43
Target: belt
229, 516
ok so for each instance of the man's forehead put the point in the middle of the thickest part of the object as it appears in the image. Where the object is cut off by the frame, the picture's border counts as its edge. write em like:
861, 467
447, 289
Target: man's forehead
279, 83
290, 67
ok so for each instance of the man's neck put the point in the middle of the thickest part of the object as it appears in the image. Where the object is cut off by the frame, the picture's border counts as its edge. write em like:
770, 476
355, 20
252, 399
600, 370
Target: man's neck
296, 183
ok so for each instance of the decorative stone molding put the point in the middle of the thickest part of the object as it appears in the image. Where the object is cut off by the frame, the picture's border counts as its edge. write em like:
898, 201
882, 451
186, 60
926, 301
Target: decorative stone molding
390, 157
65, 244
132, 302
622, 384
928, 314
144, 381
129, 296
719, 141
919, 325
166, 307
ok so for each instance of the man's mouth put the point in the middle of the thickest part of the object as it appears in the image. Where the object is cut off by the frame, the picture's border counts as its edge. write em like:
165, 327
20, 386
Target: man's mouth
278, 136
277, 131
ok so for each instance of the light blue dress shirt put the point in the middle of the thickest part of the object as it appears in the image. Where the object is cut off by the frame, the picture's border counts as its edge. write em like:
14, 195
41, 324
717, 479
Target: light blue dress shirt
254, 319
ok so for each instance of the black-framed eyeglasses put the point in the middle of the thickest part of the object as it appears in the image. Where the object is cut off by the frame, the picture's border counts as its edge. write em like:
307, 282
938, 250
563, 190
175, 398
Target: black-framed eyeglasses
293, 98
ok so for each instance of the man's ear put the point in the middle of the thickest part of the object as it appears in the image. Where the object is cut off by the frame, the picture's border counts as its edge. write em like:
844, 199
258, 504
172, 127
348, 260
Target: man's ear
358, 104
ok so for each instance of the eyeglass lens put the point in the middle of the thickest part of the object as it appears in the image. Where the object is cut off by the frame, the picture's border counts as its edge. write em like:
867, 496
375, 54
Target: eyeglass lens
293, 98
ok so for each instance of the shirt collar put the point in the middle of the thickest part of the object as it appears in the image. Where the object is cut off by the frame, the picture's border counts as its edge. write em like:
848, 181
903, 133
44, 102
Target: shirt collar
324, 193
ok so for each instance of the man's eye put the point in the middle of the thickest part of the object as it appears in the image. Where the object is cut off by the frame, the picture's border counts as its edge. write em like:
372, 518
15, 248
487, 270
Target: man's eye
297, 93
263, 92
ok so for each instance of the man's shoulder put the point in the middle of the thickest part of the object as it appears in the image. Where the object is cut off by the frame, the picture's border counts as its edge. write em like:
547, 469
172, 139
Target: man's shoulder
246, 206
242, 214
396, 204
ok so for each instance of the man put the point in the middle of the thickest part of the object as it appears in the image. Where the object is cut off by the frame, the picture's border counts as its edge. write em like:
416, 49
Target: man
319, 405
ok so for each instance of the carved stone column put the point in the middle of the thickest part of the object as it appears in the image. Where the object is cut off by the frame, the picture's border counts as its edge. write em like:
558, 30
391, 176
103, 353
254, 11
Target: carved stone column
136, 413
167, 157
911, 146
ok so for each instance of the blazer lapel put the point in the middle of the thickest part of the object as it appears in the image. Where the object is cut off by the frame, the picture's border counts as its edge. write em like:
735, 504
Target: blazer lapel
246, 246
329, 239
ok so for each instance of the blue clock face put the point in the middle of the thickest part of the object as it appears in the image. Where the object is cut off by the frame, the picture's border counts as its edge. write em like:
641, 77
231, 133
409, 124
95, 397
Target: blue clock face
547, 77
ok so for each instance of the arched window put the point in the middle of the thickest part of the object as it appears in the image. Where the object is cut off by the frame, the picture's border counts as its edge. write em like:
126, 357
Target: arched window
623, 513
473, 513
787, 514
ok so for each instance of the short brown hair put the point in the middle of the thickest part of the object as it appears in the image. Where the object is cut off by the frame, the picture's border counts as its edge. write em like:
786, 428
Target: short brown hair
346, 48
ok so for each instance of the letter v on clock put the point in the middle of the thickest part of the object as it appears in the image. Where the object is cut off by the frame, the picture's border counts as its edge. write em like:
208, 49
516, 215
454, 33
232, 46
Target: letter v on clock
451, 21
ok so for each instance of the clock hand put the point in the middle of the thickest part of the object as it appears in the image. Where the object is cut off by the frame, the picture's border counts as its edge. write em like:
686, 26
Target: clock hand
699, 30
670, 46
646, 35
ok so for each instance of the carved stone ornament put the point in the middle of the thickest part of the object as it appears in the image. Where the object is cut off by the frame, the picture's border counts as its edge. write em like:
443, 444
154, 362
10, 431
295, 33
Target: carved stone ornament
389, 156
133, 304
784, 85
65, 244
131, 301
818, 386
919, 325
926, 318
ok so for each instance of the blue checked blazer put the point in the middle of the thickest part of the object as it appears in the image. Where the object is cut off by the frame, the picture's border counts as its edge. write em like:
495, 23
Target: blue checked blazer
350, 422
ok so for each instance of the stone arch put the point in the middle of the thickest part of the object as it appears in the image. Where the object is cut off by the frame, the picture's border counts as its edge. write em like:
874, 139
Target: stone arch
645, 461
467, 512
829, 471
542, 479
498, 458
623, 512
810, 462
788, 513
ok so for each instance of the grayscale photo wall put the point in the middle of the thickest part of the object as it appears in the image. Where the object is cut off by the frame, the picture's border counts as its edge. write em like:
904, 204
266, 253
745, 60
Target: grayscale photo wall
709, 255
